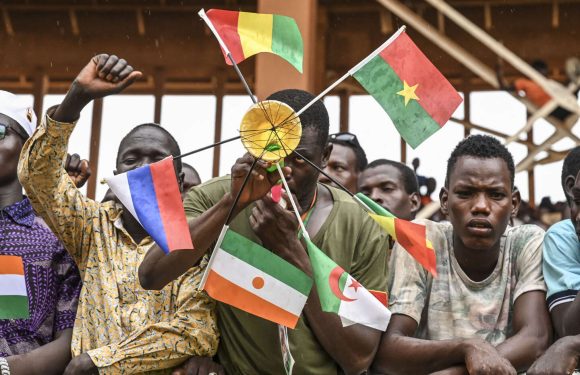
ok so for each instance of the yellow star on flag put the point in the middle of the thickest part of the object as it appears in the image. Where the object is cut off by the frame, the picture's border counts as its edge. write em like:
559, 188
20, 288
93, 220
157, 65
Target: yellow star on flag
408, 92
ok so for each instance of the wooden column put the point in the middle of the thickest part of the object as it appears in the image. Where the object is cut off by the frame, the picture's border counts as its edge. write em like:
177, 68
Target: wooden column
403, 151
531, 177
466, 112
159, 79
219, 107
95, 146
274, 73
39, 90
344, 110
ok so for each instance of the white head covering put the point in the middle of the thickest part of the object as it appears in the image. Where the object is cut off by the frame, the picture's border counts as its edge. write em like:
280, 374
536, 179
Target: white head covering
18, 110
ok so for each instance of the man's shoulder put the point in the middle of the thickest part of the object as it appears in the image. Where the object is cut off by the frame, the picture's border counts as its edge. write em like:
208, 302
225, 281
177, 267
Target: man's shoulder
562, 229
561, 241
213, 189
522, 234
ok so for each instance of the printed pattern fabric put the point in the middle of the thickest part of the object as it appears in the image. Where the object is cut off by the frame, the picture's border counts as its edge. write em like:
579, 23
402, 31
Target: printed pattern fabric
454, 306
123, 328
52, 279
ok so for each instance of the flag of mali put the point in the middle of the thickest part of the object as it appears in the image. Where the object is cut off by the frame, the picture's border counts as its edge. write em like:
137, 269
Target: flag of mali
247, 34
415, 95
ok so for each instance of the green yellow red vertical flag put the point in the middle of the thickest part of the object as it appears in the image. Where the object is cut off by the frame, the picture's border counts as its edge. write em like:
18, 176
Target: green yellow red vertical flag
246, 34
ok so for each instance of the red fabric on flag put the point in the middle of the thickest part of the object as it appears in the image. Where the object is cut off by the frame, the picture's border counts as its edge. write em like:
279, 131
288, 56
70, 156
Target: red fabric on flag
383, 297
436, 95
413, 238
226, 24
170, 205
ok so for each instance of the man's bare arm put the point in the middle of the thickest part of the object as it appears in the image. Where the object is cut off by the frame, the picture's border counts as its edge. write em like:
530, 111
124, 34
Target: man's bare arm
51, 358
532, 331
400, 353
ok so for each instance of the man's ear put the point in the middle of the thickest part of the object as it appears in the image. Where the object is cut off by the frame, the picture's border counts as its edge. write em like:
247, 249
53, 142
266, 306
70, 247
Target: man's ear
180, 179
443, 198
415, 200
326, 155
569, 183
516, 201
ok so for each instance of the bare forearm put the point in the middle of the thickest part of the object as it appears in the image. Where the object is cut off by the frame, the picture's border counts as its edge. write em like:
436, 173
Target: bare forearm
523, 349
51, 358
570, 325
406, 355
158, 269
353, 347
72, 105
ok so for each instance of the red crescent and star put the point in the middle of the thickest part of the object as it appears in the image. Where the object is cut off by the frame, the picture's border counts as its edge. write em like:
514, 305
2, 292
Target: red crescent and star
333, 280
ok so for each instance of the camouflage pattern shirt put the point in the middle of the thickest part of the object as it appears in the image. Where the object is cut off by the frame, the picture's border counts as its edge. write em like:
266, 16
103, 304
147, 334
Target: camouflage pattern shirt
454, 306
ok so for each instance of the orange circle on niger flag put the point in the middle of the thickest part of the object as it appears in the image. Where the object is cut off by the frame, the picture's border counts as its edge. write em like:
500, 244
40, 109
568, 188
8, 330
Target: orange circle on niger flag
258, 282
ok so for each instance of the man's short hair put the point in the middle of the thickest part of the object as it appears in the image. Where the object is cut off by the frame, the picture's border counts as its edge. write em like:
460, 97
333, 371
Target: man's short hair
409, 177
190, 167
175, 150
354, 145
570, 168
315, 117
482, 147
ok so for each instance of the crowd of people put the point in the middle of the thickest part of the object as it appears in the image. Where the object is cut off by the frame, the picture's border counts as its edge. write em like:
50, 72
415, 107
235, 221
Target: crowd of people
104, 298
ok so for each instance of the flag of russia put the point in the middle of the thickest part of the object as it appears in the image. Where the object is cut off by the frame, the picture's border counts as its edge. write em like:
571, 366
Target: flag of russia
152, 196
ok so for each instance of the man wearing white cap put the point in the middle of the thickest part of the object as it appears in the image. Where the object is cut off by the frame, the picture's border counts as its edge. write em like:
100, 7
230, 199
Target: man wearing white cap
36, 324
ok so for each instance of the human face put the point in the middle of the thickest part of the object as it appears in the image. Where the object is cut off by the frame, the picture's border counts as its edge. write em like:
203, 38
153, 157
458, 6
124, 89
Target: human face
303, 179
573, 192
342, 166
147, 145
385, 185
479, 202
10, 148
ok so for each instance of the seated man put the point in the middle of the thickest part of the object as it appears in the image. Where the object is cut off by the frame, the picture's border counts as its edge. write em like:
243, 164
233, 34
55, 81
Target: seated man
562, 273
485, 312
120, 327
346, 161
393, 185
39, 344
337, 225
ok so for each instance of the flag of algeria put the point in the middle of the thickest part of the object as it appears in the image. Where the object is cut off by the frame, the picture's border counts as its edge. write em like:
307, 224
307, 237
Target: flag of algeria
340, 293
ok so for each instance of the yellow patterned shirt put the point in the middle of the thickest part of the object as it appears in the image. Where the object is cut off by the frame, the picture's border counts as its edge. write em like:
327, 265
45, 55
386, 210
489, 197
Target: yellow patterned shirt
123, 328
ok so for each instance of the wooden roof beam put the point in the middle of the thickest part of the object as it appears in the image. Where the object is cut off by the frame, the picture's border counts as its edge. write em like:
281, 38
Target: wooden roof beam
7, 22
74, 22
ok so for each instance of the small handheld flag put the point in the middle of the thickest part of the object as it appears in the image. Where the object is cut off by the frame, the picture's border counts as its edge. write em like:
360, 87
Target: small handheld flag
13, 293
245, 34
340, 293
151, 194
243, 274
415, 95
411, 236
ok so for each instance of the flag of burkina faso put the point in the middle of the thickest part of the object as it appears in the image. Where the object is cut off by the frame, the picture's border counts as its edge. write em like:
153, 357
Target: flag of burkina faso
415, 95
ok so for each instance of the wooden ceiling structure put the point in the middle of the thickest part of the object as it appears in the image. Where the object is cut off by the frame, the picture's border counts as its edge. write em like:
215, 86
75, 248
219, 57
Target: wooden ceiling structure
44, 43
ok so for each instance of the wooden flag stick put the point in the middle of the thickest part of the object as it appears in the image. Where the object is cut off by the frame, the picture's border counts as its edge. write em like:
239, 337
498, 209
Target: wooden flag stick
206, 19
294, 206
